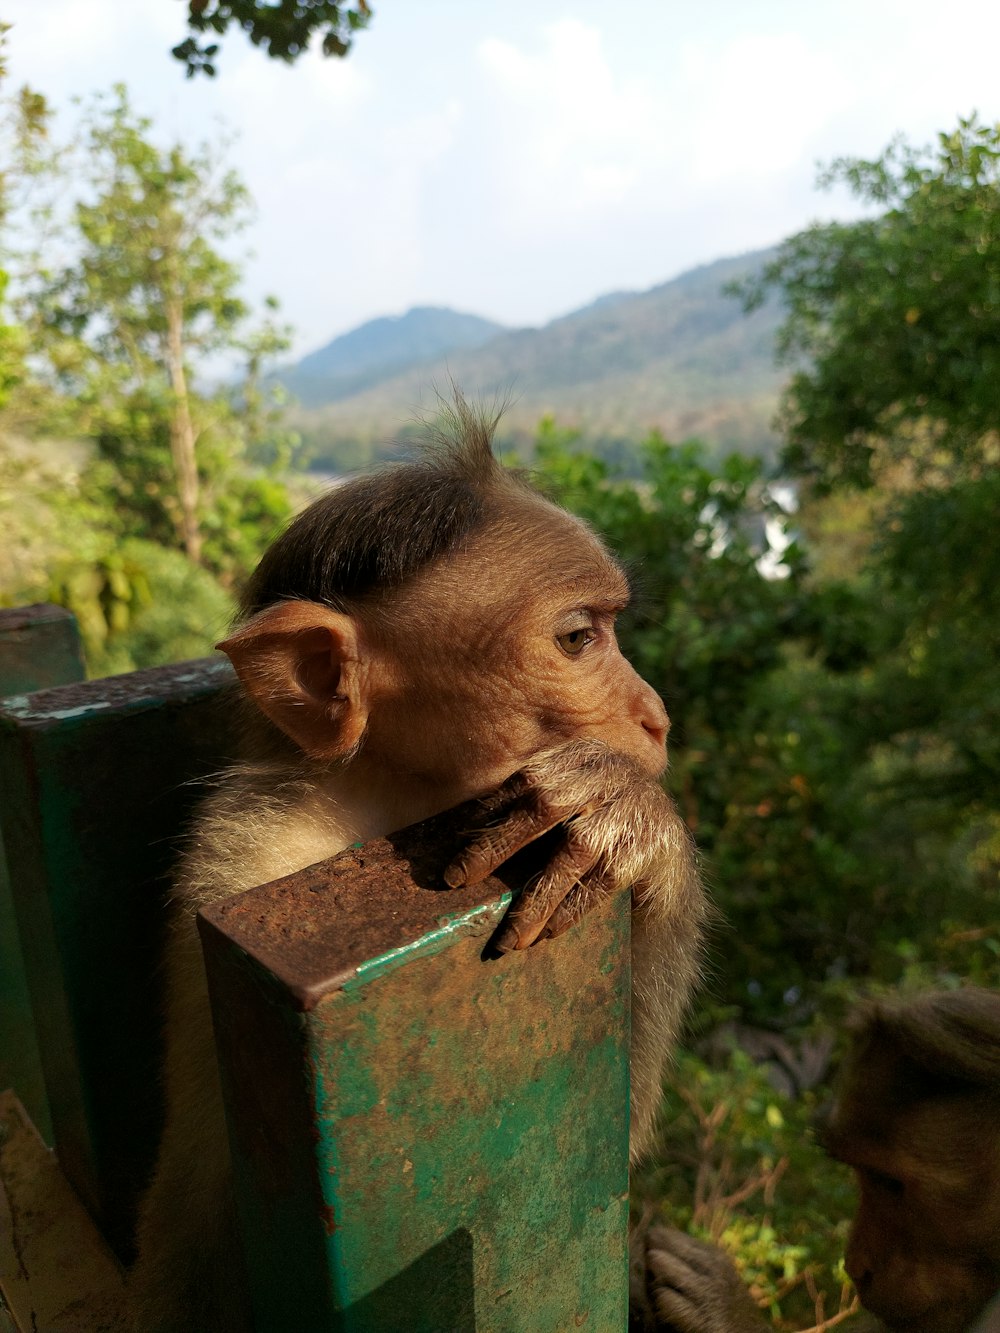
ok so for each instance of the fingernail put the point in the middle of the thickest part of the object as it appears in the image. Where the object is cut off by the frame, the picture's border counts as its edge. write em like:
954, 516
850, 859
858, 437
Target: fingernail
508, 940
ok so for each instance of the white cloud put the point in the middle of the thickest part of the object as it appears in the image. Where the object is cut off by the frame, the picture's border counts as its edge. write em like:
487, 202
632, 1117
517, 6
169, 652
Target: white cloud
757, 102
87, 42
568, 88
291, 110
479, 156
569, 133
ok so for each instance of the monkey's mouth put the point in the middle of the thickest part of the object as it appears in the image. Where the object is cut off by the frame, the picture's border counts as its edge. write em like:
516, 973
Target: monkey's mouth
652, 758
936, 1315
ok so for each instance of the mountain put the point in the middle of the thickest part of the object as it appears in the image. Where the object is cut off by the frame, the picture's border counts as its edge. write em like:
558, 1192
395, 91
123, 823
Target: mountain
682, 358
374, 351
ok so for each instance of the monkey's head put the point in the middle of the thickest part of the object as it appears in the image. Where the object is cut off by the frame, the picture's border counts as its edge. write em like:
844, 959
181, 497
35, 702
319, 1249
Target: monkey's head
918, 1118
440, 621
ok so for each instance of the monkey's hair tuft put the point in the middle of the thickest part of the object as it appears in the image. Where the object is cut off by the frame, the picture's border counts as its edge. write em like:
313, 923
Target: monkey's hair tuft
462, 432
375, 532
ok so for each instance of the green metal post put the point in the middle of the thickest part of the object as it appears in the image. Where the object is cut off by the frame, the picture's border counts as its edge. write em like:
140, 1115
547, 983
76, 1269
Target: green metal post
98, 783
425, 1136
39, 647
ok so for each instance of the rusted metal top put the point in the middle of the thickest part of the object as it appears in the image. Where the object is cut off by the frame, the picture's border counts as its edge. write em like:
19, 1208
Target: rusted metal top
24, 617
318, 930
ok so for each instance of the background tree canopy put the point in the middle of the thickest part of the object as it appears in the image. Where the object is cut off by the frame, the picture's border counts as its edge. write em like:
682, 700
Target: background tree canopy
894, 323
284, 29
894, 326
119, 287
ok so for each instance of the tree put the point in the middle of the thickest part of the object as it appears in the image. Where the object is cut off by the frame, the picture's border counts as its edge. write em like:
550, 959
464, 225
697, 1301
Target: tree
893, 326
893, 322
24, 122
284, 29
146, 294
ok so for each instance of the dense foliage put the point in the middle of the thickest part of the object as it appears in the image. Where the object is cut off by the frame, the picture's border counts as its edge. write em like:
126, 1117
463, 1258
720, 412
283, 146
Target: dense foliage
738, 1165
893, 322
785, 701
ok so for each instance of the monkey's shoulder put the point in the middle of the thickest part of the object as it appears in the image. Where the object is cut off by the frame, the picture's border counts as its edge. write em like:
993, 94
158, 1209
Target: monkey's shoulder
252, 827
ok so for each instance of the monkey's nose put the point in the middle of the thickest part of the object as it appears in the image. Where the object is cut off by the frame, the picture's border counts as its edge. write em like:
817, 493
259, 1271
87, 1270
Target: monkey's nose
655, 722
657, 731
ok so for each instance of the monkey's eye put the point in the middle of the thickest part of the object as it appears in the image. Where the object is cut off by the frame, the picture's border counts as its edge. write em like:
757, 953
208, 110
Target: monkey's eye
575, 640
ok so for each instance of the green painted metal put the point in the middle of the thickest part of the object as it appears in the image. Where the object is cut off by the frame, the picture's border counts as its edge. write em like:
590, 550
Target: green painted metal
97, 786
425, 1136
39, 647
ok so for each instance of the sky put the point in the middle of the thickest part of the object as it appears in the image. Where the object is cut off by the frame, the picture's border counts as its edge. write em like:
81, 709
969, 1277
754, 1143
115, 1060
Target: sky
516, 160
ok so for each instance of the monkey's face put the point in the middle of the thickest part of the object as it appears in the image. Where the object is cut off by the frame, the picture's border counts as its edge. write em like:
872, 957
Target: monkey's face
507, 648
439, 690
924, 1248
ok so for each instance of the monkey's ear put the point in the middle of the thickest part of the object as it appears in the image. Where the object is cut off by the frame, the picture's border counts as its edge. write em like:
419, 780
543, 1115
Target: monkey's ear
300, 664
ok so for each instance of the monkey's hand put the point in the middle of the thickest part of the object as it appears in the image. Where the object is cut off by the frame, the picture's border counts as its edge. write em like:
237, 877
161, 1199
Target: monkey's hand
693, 1287
616, 824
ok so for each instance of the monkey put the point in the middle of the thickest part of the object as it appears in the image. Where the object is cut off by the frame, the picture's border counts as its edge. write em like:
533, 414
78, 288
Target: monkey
917, 1117
422, 635
916, 1114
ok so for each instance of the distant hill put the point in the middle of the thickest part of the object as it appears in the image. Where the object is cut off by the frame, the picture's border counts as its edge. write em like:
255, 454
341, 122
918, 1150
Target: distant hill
374, 351
681, 357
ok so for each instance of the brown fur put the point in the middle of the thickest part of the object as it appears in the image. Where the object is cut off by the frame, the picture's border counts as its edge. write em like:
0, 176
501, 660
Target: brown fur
411, 642
918, 1118
678, 1284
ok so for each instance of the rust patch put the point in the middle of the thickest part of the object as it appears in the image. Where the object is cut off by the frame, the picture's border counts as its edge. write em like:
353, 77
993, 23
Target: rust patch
313, 929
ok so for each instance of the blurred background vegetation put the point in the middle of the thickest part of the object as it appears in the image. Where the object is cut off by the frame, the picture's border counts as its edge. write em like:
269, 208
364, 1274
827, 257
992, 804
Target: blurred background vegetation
822, 619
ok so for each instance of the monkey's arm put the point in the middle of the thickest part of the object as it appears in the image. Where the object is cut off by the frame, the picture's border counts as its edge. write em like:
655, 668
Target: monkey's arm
619, 830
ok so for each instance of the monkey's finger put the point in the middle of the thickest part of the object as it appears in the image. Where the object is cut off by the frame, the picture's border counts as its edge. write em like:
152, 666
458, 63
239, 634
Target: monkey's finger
531, 911
580, 900
516, 785
680, 1312
493, 846
670, 1272
668, 1243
